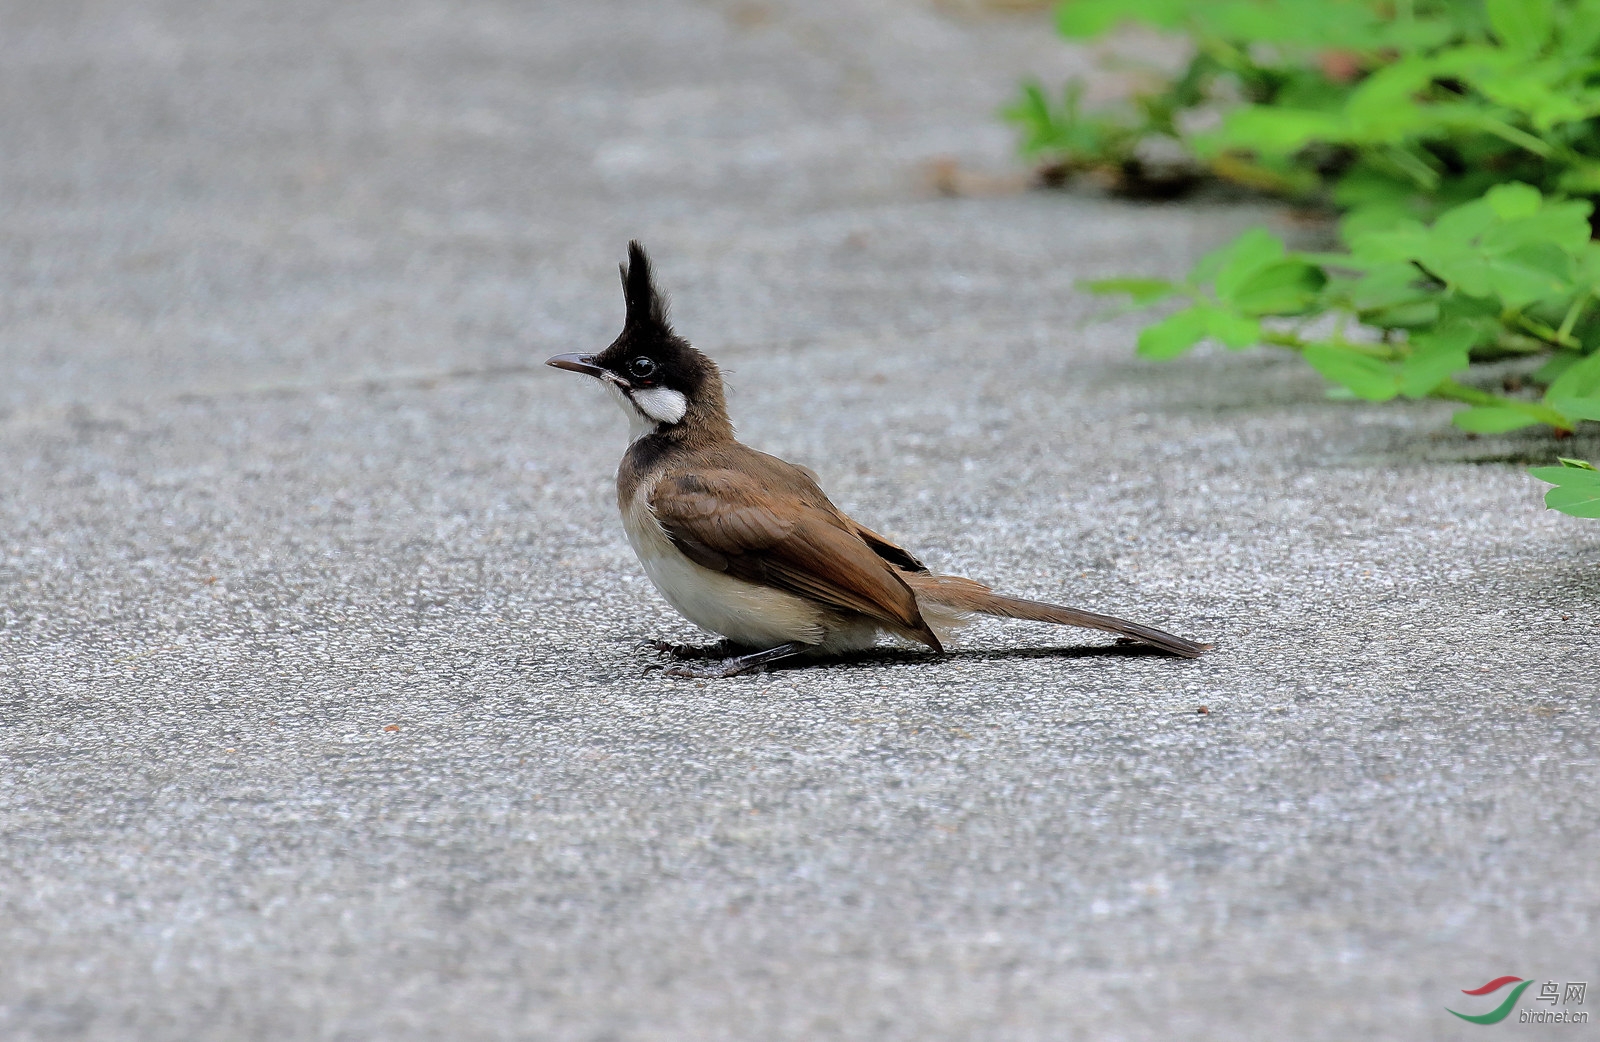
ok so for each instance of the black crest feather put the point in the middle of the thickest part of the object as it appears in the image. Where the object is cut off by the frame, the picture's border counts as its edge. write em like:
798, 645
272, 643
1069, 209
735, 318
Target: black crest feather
646, 306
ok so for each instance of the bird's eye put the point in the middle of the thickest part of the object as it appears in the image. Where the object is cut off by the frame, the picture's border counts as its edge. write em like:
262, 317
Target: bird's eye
642, 368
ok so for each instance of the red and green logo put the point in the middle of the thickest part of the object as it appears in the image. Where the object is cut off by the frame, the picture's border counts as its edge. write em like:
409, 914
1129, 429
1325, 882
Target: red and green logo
1500, 1012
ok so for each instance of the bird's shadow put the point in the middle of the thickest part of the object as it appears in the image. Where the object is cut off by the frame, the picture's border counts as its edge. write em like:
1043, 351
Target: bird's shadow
879, 657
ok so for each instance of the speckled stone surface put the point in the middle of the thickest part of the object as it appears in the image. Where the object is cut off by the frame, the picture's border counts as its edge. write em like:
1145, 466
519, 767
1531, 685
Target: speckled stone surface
320, 714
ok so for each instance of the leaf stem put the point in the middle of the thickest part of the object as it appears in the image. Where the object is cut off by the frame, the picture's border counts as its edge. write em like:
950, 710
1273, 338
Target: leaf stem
1564, 334
1521, 138
1561, 337
1382, 352
1451, 391
1414, 167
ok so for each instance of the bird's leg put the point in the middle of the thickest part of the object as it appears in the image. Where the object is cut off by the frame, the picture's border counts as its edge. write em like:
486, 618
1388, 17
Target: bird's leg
682, 652
732, 667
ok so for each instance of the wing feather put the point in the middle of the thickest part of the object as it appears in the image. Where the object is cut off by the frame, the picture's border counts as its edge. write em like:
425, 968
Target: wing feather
731, 522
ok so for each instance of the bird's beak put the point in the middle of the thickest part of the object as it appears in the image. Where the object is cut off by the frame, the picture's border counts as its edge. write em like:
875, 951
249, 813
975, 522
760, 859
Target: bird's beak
576, 363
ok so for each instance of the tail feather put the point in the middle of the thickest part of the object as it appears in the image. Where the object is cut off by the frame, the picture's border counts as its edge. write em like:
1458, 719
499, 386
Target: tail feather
956, 594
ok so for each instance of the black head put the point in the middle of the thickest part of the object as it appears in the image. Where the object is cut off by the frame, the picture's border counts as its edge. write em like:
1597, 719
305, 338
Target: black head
659, 373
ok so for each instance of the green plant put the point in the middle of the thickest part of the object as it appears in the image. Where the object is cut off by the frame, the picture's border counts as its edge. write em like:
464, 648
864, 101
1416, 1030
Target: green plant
1460, 143
1577, 490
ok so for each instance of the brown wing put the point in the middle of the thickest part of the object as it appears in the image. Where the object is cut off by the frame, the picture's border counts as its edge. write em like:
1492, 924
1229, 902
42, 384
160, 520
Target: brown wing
730, 521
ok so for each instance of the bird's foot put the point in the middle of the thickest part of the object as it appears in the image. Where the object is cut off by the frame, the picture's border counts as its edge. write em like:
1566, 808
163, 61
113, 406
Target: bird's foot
754, 662
686, 652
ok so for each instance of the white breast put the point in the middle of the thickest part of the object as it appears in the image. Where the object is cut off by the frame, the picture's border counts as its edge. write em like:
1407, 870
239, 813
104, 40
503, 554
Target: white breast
755, 616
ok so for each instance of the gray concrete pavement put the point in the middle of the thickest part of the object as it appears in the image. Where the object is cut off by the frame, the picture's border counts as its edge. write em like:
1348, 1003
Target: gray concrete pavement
320, 716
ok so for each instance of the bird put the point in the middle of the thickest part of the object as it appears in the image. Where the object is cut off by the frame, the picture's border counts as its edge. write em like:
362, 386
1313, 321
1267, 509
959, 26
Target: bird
746, 545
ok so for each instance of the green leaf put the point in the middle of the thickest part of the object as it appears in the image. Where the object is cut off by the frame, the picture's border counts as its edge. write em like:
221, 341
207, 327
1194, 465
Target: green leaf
1383, 109
1143, 291
1566, 474
1459, 225
1581, 179
1275, 132
1522, 25
1530, 91
1581, 34
1513, 200
1577, 490
1578, 408
1566, 223
1078, 19
1286, 288
1233, 330
1493, 419
1575, 500
1082, 19
1242, 258
1405, 241
1032, 113
1530, 273
1311, 23
1563, 225
1387, 284
1466, 270
1366, 188
1559, 363
1181, 330
1587, 268
1341, 261
1435, 357
1579, 380
1173, 335
1240, 21
1365, 376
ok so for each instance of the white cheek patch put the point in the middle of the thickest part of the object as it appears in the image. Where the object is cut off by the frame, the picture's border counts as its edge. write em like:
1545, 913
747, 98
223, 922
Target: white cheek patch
661, 404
